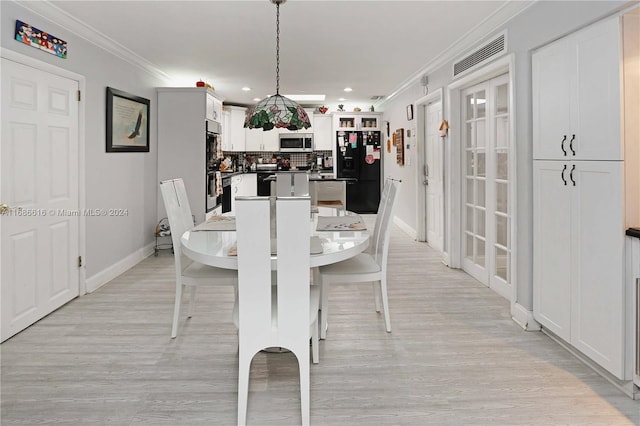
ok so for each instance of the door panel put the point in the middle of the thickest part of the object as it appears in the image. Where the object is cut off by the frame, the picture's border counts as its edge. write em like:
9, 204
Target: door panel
598, 242
39, 153
552, 246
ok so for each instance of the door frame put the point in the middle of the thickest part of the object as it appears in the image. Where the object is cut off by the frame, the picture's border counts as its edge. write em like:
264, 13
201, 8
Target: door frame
52, 69
421, 212
453, 163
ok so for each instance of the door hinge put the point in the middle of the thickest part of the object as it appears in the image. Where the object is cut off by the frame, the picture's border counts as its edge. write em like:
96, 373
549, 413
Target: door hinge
79, 96
79, 261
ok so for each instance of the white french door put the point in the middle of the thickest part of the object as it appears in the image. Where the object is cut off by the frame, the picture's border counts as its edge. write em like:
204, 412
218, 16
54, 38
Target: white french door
486, 239
39, 244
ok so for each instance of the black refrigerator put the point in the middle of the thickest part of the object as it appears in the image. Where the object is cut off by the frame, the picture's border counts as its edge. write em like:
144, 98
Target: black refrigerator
358, 157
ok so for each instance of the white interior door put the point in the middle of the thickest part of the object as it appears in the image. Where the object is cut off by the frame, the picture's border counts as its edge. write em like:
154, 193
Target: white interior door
434, 176
486, 241
39, 245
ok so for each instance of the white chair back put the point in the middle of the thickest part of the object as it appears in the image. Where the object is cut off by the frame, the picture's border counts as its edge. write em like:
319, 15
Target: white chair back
331, 193
179, 215
292, 185
278, 315
382, 230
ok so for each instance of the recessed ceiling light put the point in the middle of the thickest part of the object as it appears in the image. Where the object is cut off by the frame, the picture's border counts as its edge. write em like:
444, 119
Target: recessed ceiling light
257, 99
341, 99
348, 89
246, 89
307, 98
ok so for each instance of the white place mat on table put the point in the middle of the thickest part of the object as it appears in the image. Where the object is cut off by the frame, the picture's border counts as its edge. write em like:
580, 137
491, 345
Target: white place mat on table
218, 223
316, 247
340, 223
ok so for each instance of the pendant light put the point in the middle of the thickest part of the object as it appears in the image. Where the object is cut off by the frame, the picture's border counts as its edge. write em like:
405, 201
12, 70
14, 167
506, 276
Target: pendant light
277, 110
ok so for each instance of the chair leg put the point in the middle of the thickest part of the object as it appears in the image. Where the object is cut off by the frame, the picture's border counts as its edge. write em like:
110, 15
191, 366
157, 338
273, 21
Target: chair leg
303, 362
376, 295
385, 303
192, 300
176, 310
315, 352
324, 308
244, 366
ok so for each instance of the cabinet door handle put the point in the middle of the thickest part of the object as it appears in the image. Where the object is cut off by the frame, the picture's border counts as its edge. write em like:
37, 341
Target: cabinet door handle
562, 145
573, 137
564, 169
571, 174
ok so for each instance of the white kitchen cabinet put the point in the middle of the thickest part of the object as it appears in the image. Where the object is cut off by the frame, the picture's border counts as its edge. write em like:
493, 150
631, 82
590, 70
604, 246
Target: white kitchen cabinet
578, 202
576, 95
259, 140
253, 139
182, 115
233, 131
243, 185
225, 139
579, 256
323, 138
357, 121
213, 107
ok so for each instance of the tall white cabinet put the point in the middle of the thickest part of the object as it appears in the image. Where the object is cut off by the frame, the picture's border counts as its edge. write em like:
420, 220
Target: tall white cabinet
182, 115
578, 178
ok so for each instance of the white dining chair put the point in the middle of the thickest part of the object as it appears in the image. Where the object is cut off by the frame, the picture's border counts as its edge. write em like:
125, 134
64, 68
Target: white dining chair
284, 315
291, 184
368, 266
188, 272
331, 194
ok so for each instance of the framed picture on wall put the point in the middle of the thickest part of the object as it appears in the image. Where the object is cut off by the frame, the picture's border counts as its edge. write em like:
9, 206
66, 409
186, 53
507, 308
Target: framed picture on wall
127, 122
399, 139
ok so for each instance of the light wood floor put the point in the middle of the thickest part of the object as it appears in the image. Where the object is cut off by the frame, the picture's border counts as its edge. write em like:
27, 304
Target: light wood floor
454, 358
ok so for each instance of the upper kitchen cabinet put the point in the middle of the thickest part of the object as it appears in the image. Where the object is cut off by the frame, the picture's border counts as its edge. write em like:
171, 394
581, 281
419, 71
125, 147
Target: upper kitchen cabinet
357, 121
214, 107
576, 96
233, 132
322, 133
260, 140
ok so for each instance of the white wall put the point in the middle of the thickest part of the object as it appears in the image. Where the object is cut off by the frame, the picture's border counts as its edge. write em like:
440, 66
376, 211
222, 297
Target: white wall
540, 24
113, 180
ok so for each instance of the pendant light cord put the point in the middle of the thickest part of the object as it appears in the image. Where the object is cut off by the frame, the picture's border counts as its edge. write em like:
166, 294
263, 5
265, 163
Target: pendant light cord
277, 48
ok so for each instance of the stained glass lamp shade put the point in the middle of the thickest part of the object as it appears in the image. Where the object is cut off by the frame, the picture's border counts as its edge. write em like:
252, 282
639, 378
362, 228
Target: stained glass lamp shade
277, 111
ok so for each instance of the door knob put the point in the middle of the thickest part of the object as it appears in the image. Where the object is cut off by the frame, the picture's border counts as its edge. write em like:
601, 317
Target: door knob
4, 209
425, 182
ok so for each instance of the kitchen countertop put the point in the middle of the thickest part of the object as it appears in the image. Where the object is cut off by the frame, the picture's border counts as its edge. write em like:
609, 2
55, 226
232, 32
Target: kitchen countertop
313, 177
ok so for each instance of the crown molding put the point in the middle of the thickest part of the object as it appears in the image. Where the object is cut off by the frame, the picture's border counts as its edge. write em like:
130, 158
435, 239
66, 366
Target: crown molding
54, 14
464, 44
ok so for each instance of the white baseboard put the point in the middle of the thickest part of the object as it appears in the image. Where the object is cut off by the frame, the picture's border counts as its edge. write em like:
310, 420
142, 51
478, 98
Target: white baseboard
101, 278
524, 317
405, 228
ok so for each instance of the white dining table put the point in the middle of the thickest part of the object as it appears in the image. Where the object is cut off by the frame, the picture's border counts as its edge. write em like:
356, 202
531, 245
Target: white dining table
212, 247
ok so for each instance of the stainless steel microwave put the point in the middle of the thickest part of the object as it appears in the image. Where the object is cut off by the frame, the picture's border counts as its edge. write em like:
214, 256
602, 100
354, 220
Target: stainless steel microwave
296, 142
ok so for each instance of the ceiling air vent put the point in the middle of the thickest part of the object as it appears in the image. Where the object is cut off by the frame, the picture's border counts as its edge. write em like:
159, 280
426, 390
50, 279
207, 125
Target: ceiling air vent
494, 47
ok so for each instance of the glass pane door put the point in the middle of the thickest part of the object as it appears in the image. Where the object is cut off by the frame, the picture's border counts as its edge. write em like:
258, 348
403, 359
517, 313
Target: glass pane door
486, 241
475, 178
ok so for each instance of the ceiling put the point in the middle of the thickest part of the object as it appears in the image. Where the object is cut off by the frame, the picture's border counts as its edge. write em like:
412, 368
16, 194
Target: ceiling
374, 47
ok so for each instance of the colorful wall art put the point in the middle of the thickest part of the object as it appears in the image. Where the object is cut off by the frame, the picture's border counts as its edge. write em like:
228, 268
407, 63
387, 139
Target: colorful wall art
34, 37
